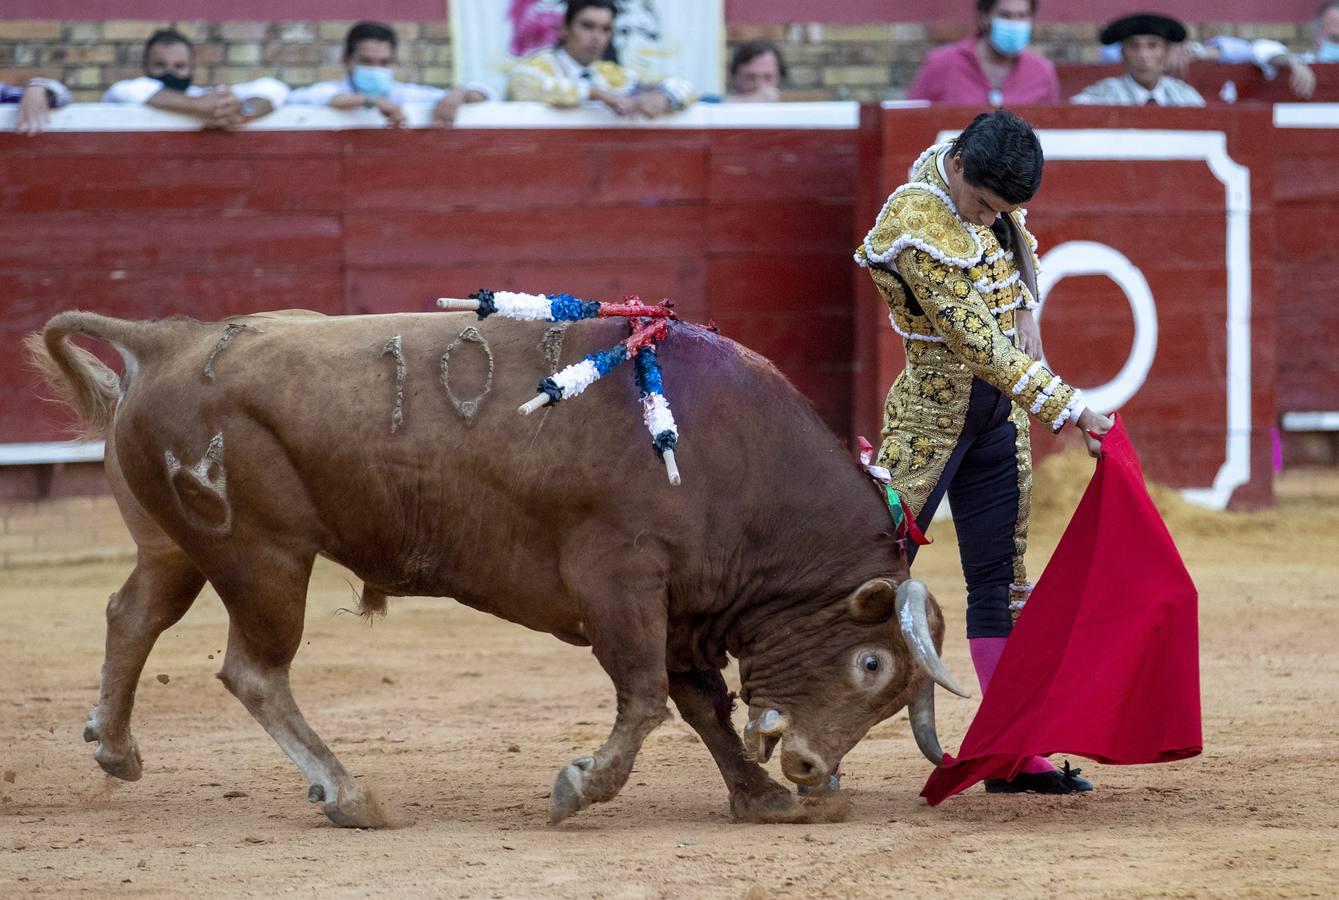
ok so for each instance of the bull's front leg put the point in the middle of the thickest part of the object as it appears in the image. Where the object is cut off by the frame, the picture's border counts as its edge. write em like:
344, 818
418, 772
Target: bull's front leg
624, 616
705, 704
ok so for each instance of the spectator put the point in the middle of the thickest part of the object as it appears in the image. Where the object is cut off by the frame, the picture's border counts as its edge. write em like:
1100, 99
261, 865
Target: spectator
35, 103
369, 81
993, 68
1146, 41
577, 71
169, 69
1325, 31
1271, 56
757, 71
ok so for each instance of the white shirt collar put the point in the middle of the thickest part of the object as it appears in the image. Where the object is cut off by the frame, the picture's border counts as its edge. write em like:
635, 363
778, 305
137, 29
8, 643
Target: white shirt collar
939, 163
1142, 94
943, 173
568, 62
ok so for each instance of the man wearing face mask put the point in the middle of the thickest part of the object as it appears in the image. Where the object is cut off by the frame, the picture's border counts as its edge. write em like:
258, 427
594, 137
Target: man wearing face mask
577, 70
951, 256
369, 64
1146, 41
169, 69
1325, 30
994, 68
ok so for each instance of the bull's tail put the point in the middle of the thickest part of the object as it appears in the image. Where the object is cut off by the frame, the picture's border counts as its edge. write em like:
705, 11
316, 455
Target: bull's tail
79, 379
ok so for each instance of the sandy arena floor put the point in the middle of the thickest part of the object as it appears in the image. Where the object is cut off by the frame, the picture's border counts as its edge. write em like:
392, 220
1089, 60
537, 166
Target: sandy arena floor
460, 722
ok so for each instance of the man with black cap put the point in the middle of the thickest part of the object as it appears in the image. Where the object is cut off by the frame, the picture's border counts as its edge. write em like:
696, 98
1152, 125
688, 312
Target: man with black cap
1145, 40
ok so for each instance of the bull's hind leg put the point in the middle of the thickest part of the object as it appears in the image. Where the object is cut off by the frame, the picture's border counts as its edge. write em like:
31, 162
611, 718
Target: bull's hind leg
157, 594
705, 704
626, 624
265, 608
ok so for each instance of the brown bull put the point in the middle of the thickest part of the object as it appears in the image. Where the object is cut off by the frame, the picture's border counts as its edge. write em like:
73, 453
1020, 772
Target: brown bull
238, 452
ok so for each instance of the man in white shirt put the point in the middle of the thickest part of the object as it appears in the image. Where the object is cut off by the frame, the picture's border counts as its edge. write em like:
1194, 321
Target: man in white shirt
169, 69
1146, 41
369, 63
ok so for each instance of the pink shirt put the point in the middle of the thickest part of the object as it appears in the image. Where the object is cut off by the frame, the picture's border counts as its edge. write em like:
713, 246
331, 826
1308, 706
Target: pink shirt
952, 74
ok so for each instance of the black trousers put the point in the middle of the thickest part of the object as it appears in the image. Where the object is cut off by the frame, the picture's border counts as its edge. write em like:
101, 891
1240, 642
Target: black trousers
981, 481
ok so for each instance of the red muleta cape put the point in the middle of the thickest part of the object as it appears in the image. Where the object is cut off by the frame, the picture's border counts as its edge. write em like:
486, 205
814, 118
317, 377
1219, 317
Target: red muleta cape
1104, 661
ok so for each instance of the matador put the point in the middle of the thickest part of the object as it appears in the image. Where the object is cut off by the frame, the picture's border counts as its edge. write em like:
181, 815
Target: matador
951, 255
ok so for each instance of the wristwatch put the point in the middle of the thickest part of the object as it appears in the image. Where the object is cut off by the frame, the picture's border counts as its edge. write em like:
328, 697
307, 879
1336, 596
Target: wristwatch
250, 108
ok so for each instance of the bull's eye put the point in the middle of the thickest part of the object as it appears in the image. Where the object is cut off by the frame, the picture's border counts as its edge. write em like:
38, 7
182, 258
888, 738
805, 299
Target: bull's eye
871, 663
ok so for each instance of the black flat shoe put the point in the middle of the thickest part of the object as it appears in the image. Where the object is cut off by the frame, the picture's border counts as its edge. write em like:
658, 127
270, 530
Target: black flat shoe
1061, 781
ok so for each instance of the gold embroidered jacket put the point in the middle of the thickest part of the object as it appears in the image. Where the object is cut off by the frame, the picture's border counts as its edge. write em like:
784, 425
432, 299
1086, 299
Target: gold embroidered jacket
952, 293
555, 78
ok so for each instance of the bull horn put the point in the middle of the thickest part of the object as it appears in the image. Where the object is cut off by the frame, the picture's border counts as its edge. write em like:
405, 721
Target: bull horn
773, 724
911, 597
923, 722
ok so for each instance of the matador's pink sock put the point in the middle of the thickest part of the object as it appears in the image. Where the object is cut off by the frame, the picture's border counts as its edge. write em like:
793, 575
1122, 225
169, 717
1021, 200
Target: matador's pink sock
986, 654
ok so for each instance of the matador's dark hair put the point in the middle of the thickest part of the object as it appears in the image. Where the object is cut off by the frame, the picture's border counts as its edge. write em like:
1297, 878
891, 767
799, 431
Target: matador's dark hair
1001, 153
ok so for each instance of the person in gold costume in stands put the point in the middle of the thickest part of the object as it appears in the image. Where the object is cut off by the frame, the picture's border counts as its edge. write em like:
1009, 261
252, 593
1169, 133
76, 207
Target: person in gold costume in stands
578, 71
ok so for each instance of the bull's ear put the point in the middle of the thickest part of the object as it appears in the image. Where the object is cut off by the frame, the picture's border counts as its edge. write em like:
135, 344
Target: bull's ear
872, 602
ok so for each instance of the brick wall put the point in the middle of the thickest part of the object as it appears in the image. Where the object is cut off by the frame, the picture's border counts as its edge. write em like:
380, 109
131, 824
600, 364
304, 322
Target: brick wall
62, 530
856, 62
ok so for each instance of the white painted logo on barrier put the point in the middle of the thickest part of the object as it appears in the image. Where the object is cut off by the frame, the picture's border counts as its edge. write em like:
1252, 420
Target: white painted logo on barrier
1092, 258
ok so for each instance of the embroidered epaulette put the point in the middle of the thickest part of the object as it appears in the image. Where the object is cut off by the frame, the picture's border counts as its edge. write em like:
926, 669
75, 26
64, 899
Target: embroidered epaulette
544, 62
614, 75
919, 215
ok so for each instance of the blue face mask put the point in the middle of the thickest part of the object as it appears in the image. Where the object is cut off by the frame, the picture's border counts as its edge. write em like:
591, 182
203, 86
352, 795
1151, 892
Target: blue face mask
374, 81
1328, 52
1010, 36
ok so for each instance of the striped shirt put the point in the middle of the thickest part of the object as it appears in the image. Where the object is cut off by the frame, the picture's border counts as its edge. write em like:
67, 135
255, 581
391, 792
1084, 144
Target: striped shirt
1125, 91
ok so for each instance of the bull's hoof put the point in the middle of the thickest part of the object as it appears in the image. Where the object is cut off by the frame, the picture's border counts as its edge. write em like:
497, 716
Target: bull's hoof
569, 790
775, 805
124, 763
772, 806
358, 810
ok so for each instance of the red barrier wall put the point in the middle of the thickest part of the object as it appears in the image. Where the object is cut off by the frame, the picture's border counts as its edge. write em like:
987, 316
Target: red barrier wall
1306, 201
752, 228
1168, 217
749, 228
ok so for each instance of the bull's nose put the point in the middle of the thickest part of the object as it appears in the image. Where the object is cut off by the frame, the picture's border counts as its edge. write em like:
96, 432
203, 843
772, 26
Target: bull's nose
803, 766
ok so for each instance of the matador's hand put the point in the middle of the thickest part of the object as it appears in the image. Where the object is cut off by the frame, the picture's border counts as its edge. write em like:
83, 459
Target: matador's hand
1029, 333
1094, 427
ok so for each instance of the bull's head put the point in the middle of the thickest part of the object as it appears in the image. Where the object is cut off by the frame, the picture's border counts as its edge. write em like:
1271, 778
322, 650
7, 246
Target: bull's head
817, 707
